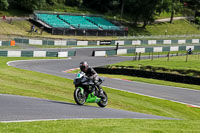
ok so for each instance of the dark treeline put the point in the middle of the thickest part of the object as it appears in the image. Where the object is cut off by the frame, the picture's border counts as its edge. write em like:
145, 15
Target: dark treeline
138, 10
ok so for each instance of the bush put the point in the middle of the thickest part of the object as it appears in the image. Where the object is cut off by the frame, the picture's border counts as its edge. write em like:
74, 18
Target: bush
197, 20
4, 4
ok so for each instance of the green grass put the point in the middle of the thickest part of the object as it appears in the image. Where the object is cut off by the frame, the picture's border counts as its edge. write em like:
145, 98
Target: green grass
27, 83
34, 84
9, 47
176, 64
103, 125
17, 27
179, 27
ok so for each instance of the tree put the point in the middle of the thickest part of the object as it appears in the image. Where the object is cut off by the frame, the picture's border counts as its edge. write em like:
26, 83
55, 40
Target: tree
122, 8
30, 5
103, 6
142, 10
148, 12
51, 2
4, 4
74, 2
194, 5
172, 6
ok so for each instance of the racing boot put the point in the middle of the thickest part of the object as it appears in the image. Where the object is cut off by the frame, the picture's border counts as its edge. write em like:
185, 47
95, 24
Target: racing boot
101, 94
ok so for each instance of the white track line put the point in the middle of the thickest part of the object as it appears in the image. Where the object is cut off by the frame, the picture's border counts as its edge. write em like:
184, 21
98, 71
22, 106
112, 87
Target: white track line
8, 63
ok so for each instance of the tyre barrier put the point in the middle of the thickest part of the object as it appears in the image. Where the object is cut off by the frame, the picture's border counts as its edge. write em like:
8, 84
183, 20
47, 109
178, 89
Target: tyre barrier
144, 50
150, 74
37, 53
103, 42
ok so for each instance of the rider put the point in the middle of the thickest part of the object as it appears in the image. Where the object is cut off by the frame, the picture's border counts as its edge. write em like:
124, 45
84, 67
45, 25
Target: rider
92, 74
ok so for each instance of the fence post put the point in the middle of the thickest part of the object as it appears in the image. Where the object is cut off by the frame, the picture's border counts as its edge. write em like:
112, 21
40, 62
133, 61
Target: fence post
187, 57
168, 56
135, 58
152, 57
139, 56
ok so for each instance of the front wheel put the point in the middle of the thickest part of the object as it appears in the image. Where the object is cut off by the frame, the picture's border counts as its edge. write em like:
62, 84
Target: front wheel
103, 102
79, 97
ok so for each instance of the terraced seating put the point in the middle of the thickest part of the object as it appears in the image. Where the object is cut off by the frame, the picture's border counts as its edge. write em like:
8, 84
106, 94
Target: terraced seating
78, 22
53, 20
103, 23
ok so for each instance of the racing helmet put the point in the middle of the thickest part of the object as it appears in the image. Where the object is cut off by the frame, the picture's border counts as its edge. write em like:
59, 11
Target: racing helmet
83, 66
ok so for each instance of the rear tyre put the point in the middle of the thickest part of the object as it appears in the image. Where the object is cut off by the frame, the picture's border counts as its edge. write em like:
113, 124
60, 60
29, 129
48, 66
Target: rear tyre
104, 101
78, 97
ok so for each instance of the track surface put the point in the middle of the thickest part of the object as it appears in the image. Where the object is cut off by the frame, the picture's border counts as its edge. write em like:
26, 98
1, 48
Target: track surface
14, 108
18, 108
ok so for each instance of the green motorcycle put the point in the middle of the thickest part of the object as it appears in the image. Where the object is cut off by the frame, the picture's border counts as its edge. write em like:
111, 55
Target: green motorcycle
87, 91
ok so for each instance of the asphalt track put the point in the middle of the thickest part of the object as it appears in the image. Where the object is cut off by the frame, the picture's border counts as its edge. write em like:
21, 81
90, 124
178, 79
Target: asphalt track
18, 108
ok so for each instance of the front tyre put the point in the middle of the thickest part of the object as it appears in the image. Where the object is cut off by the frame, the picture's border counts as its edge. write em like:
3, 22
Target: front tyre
78, 97
104, 101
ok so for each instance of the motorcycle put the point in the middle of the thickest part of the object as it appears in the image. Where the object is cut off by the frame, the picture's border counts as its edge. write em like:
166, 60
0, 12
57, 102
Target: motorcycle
87, 92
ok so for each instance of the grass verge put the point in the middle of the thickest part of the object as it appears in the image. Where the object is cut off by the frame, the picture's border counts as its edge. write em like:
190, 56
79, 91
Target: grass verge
179, 27
183, 65
103, 125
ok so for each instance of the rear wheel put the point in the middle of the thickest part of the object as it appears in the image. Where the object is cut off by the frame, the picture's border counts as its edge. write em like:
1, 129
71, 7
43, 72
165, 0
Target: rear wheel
78, 97
104, 101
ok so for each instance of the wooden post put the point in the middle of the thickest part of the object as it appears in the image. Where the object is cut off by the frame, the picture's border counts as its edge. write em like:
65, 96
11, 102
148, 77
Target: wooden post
168, 56
139, 56
135, 56
152, 57
187, 57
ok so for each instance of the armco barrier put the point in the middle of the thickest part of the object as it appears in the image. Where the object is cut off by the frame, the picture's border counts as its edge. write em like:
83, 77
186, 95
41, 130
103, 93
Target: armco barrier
112, 42
145, 50
37, 54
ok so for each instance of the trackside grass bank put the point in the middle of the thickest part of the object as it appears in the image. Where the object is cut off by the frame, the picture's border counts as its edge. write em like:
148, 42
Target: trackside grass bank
27, 83
103, 125
184, 65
